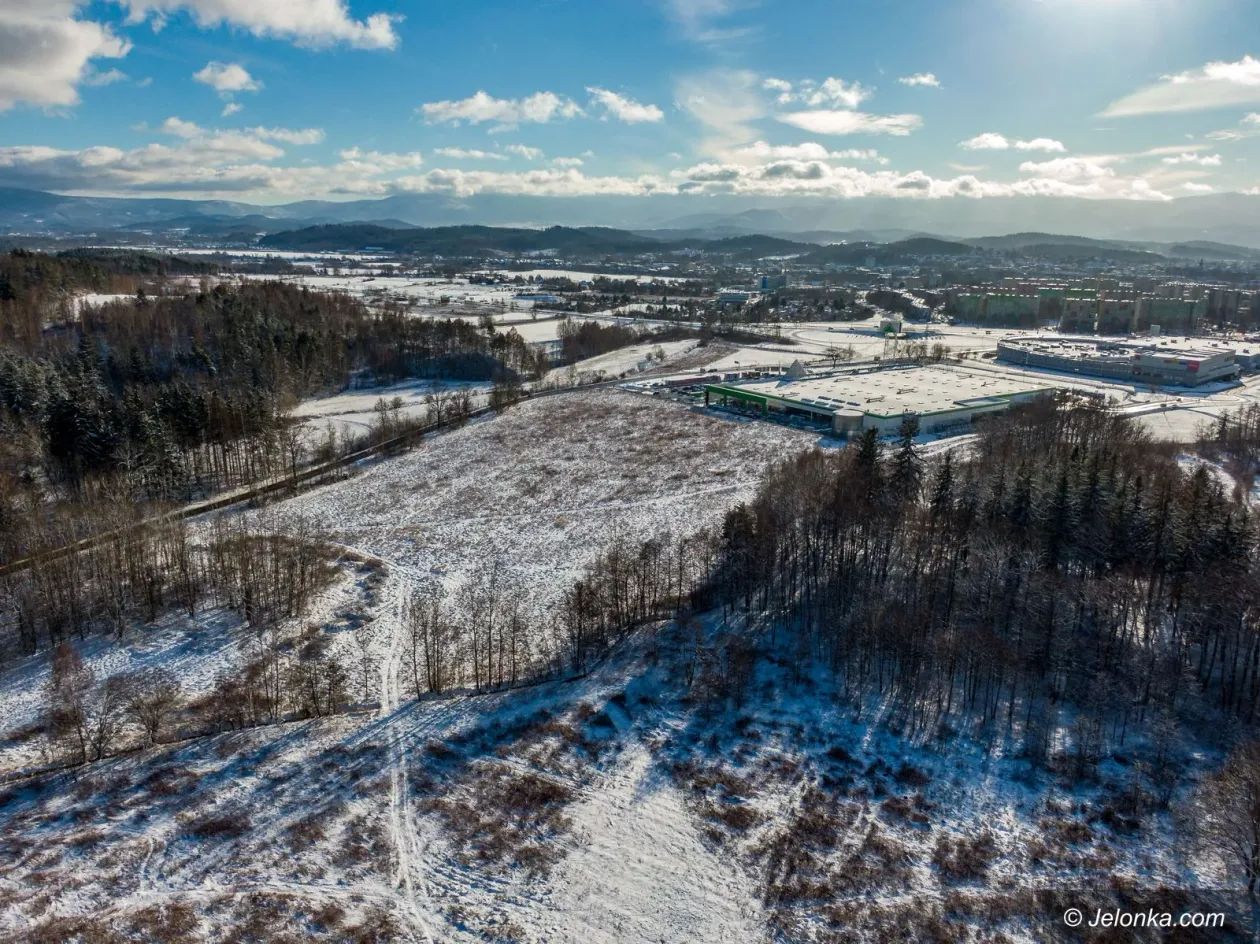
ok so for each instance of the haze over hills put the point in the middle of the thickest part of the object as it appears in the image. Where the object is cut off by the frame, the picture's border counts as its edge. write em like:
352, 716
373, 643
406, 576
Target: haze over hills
1231, 219
844, 248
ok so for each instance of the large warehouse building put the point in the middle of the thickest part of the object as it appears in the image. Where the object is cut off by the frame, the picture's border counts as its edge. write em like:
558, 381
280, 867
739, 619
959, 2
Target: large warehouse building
848, 401
1180, 362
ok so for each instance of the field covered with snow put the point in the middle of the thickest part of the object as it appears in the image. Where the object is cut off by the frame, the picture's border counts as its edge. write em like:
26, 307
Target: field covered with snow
436, 297
310, 815
630, 805
353, 412
540, 489
663, 797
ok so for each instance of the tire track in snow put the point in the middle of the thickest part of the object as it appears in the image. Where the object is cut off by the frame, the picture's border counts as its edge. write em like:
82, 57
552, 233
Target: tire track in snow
401, 819
643, 873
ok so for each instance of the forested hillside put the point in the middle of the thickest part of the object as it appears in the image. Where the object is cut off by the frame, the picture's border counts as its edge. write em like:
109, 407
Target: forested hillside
1069, 568
173, 391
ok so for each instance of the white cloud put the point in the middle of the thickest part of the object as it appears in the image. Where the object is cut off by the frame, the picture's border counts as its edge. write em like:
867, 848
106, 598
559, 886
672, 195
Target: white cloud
1168, 149
851, 122
181, 128
829, 93
988, 141
1191, 187
550, 182
524, 151
316, 23
539, 108
1214, 85
236, 163
108, 77
1068, 168
1040, 144
375, 163
567, 161
1089, 177
816, 178
1203, 160
834, 92
203, 162
698, 20
231, 108
924, 79
725, 102
227, 78
294, 136
992, 141
1248, 127
622, 108
46, 53
760, 151
469, 154
252, 141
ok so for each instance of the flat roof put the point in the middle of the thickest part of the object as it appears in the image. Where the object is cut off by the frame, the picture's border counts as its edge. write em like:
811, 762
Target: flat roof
892, 391
1125, 348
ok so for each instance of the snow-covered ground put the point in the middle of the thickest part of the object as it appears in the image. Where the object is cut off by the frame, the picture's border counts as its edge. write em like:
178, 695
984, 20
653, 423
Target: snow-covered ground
658, 878
353, 412
628, 805
96, 299
621, 807
540, 487
627, 360
197, 650
580, 275
745, 357
436, 296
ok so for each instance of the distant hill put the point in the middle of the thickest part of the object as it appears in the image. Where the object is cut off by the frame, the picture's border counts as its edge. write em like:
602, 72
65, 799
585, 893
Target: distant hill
460, 240
1204, 249
1213, 226
755, 247
1017, 241
1066, 252
928, 246
902, 250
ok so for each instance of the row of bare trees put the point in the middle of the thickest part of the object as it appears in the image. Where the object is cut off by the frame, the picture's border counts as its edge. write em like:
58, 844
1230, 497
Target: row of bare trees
85, 715
147, 568
487, 635
88, 717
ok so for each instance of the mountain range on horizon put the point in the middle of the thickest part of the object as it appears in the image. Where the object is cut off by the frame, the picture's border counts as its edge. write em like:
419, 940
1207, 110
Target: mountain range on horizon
1229, 219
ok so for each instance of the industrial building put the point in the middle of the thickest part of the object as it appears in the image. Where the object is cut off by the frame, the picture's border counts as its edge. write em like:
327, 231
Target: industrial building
735, 296
848, 401
1181, 362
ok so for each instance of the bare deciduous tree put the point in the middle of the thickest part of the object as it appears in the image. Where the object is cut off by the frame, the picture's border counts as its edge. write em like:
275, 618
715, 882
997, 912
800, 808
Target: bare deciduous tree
1228, 813
151, 697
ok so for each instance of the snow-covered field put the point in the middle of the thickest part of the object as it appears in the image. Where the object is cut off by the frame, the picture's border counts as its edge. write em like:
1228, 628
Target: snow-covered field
442, 297
536, 491
96, 299
540, 488
353, 412
622, 807
623, 361
198, 651
580, 275
644, 802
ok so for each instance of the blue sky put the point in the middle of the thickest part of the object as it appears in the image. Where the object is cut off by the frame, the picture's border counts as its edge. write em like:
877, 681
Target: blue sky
278, 100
